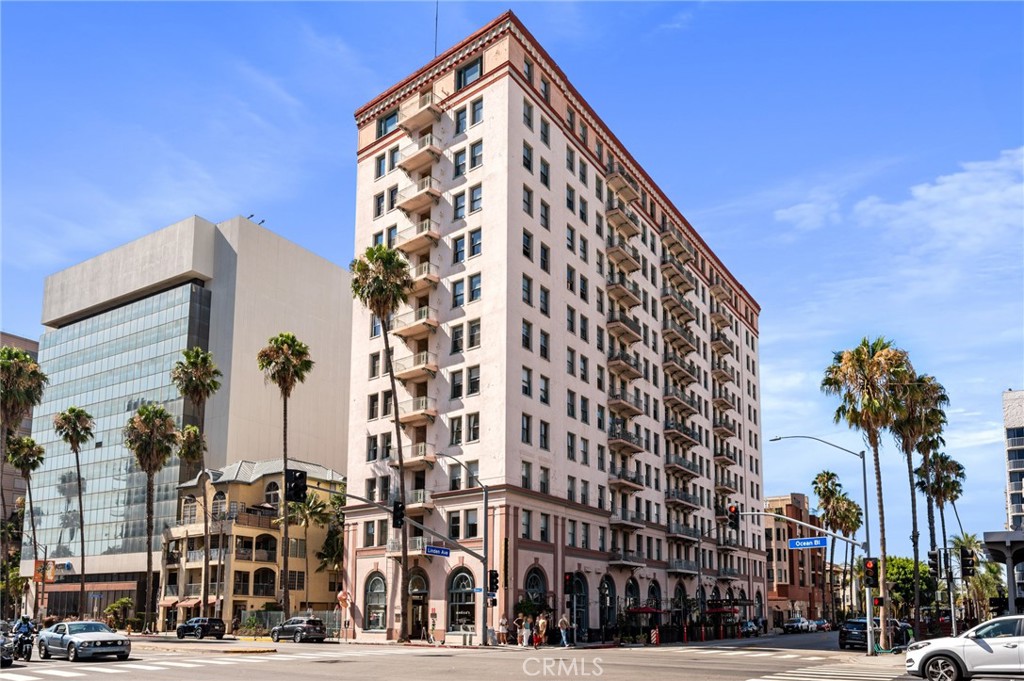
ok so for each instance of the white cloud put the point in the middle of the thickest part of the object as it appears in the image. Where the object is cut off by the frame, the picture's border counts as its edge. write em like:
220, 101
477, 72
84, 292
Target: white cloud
679, 21
820, 210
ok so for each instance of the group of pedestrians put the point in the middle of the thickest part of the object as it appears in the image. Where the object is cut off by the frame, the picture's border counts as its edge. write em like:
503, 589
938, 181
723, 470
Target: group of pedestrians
527, 631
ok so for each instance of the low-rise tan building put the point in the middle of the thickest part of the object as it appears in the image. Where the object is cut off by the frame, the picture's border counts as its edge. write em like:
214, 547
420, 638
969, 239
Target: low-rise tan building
245, 536
794, 576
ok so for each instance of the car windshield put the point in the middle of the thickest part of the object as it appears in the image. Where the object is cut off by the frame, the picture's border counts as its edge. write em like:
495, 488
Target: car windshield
315, 623
859, 625
88, 628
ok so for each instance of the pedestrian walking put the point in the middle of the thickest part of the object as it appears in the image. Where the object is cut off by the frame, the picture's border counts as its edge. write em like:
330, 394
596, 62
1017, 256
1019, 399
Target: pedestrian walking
527, 631
563, 629
518, 623
542, 630
503, 630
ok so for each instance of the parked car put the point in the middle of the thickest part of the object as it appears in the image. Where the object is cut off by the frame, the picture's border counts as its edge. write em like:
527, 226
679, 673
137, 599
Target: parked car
300, 629
82, 640
853, 633
6, 651
201, 627
749, 629
822, 625
796, 625
989, 649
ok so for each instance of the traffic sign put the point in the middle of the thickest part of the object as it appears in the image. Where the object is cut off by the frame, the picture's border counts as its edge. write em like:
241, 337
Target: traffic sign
437, 551
492, 594
478, 590
809, 543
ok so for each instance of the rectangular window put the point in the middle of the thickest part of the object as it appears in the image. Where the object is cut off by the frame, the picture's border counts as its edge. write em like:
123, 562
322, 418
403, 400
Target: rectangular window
528, 71
545, 173
570, 238
459, 163
373, 407
545, 215
476, 198
378, 205
583, 172
526, 432
570, 159
570, 321
473, 380
392, 197
471, 523
379, 166
458, 249
455, 426
544, 392
393, 157
371, 447
545, 527
545, 132
392, 235
474, 333
528, 201
456, 381
527, 157
528, 245
527, 114
525, 522
454, 524
474, 287
545, 341
374, 364
527, 340
584, 211
543, 439
545, 480
469, 74
570, 198
545, 301
476, 111
460, 121
459, 206
570, 446
545, 258
476, 154
527, 290
572, 533
473, 427
387, 123
458, 293
570, 403
545, 89
526, 382
457, 335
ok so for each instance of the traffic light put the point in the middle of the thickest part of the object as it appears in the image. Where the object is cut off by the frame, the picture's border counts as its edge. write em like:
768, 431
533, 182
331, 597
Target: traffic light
878, 601
734, 516
966, 562
871, 573
397, 515
294, 485
933, 563
492, 581
567, 589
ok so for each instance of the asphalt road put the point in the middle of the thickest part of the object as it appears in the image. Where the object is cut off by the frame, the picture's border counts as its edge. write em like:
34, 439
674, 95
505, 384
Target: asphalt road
804, 657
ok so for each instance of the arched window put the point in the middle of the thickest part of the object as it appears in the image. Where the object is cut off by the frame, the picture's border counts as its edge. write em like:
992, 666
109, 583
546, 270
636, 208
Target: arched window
374, 602
654, 601
632, 593
188, 510
536, 586
264, 583
272, 493
580, 601
461, 602
607, 605
744, 606
680, 607
758, 606
220, 501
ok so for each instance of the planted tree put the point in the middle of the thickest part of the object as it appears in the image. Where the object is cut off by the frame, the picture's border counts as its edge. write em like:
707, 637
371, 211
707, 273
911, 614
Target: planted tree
311, 512
74, 426
26, 457
828, 489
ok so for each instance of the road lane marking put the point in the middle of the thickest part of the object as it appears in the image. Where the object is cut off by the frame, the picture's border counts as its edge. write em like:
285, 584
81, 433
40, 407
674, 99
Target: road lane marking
218, 662
760, 654
143, 667
106, 669
11, 676
57, 672
169, 663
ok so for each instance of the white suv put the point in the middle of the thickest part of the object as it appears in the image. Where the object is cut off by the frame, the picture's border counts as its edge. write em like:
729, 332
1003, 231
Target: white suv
994, 648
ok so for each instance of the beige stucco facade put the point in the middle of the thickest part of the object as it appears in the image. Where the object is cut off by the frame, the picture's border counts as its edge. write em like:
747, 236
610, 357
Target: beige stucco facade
569, 337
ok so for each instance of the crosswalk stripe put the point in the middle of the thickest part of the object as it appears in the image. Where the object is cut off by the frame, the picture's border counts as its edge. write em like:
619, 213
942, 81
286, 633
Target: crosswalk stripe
217, 661
761, 654
169, 663
62, 673
815, 658
706, 652
106, 669
11, 676
143, 667
248, 659
787, 657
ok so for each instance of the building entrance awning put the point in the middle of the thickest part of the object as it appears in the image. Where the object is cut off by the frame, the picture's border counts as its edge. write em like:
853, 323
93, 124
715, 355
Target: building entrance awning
188, 603
168, 602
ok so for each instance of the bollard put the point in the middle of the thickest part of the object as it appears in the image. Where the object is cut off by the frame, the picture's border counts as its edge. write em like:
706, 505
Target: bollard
654, 637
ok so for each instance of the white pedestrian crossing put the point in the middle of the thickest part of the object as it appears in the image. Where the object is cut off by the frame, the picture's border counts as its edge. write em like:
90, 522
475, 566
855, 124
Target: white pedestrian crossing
12, 676
833, 672
60, 673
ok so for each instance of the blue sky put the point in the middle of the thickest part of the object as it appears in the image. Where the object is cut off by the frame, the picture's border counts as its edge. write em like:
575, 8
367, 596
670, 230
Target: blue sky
857, 166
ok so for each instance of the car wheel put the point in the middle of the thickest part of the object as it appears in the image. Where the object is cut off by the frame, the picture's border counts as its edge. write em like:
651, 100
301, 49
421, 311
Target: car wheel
72, 653
44, 652
941, 668
297, 637
122, 656
6, 662
199, 632
275, 636
28, 653
181, 633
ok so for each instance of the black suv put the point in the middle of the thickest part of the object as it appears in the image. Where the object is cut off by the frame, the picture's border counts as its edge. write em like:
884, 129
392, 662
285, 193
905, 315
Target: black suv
854, 633
202, 626
300, 629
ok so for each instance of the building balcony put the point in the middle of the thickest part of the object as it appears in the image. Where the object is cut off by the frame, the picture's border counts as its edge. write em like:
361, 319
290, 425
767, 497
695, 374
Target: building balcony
721, 513
681, 338
728, 544
627, 519
726, 455
416, 545
723, 399
425, 276
720, 289
620, 182
256, 555
674, 271
418, 411
625, 329
416, 368
621, 440
619, 557
424, 193
418, 112
624, 480
726, 484
420, 155
722, 372
720, 316
721, 344
1015, 465
417, 457
683, 532
679, 432
730, 574
683, 567
680, 498
680, 401
622, 219
682, 371
196, 556
624, 406
624, 365
418, 323
681, 466
417, 500
622, 255
677, 244
724, 428
417, 239
624, 292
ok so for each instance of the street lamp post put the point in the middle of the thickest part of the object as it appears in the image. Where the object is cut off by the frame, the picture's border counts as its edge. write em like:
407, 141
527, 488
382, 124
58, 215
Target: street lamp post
867, 525
486, 551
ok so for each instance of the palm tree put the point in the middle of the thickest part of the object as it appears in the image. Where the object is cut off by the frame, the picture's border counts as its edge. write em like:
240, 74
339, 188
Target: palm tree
197, 378
827, 488
331, 555
26, 457
947, 478
74, 426
851, 518
313, 511
285, 362
381, 281
919, 416
151, 435
863, 378
22, 382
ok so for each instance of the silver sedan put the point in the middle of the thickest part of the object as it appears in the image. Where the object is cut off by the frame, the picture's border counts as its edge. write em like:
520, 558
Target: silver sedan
81, 640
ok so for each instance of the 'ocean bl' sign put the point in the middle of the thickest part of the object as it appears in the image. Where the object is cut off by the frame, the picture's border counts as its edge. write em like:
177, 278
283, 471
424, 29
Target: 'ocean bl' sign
809, 543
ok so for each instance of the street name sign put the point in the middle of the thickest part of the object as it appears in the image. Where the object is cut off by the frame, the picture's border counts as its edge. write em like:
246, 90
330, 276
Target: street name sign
809, 543
437, 551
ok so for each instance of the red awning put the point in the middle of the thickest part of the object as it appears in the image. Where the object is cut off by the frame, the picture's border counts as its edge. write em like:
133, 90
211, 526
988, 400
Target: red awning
718, 611
188, 603
212, 600
645, 610
168, 602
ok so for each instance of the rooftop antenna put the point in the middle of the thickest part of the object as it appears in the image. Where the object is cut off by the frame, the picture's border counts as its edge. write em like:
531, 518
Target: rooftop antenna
437, 5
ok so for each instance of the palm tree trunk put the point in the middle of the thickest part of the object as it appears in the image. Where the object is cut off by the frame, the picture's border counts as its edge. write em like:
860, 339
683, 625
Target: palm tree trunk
149, 549
832, 576
286, 601
4, 433
945, 550
305, 580
81, 532
403, 593
882, 590
205, 587
847, 550
915, 542
926, 468
35, 545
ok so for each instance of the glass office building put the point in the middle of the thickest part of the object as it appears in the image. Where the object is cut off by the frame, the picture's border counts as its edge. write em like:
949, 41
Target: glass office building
109, 364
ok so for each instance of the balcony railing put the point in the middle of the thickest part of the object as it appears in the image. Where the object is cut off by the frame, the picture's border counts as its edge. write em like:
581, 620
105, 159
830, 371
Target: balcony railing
625, 365
419, 112
682, 465
421, 154
680, 530
424, 276
720, 288
726, 455
619, 181
679, 430
624, 515
263, 590
677, 399
415, 324
417, 496
625, 328
417, 411
621, 439
720, 316
677, 244
623, 291
418, 238
419, 365
425, 192
258, 555
724, 427
622, 254
723, 372
631, 557
620, 217
678, 495
416, 544
417, 456
625, 476
170, 590
625, 404
689, 566
721, 343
